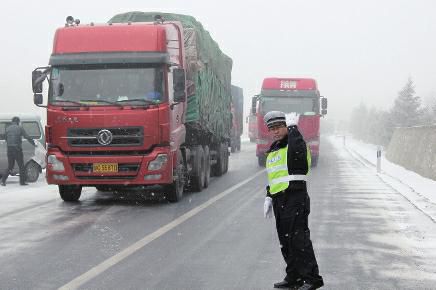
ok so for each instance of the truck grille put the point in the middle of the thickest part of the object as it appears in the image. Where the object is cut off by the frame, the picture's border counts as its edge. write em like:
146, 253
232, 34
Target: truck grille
108, 153
128, 136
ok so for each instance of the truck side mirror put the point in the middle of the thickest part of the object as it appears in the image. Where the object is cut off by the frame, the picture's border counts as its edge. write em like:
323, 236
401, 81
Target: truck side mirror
324, 111
37, 99
324, 104
179, 85
37, 79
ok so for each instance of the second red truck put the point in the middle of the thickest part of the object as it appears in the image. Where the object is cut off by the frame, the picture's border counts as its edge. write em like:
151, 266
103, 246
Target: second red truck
300, 99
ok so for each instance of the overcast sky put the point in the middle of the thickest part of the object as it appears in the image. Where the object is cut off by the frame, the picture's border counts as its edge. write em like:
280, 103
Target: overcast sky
356, 50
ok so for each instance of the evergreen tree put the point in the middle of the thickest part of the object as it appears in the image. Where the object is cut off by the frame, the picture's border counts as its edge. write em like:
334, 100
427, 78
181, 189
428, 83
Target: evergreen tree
407, 110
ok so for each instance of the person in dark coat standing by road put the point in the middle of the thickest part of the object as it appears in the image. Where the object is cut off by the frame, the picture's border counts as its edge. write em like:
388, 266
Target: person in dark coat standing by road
288, 164
13, 135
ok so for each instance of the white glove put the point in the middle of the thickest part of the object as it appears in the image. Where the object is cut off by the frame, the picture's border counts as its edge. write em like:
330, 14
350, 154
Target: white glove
292, 119
267, 208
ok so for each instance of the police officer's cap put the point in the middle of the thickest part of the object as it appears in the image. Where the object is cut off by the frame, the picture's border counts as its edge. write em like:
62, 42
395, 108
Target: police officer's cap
16, 120
275, 118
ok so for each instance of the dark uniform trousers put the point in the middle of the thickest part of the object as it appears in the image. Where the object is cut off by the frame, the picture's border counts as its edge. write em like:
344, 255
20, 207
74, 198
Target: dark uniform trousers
291, 210
15, 154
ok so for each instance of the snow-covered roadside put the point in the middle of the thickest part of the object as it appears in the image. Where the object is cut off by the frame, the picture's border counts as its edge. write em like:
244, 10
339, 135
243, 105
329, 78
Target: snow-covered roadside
418, 190
16, 199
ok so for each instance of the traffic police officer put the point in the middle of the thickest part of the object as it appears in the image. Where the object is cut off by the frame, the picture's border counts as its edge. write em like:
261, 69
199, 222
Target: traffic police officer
288, 164
13, 135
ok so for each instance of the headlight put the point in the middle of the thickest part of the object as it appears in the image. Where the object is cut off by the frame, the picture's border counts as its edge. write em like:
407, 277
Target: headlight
159, 162
60, 177
152, 176
262, 141
313, 143
56, 164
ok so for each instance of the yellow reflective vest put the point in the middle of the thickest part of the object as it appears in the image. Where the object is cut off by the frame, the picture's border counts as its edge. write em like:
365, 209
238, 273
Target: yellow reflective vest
277, 168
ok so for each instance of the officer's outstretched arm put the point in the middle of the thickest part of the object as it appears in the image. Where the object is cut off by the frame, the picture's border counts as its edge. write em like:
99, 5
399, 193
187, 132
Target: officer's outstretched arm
297, 150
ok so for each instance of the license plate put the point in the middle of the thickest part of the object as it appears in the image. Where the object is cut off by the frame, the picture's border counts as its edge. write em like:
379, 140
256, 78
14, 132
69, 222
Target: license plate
104, 167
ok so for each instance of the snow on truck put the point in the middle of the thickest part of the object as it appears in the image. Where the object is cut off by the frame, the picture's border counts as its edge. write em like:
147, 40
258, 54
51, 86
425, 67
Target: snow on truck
142, 100
300, 99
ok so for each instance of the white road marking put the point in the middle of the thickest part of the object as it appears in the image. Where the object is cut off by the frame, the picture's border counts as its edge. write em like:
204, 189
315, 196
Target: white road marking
100, 268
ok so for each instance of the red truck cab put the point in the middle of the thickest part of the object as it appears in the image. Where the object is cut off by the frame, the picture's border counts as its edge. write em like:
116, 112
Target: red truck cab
297, 96
116, 106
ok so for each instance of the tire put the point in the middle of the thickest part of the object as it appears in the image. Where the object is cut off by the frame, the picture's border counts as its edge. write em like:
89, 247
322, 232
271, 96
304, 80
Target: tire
206, 166
226, 158
103, 188
238, 144
314, 162
70, 193
174, 191
233, 148
261, 160
218, 167
32, 171
197, 176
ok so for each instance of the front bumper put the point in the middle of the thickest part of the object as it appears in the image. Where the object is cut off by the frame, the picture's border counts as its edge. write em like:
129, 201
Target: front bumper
132, 169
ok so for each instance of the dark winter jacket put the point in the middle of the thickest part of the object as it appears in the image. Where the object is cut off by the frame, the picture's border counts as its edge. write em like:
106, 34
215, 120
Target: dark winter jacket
297, 155
14, 134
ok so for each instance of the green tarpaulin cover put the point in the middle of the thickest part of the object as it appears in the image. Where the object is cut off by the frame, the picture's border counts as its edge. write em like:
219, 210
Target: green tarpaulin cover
207, 66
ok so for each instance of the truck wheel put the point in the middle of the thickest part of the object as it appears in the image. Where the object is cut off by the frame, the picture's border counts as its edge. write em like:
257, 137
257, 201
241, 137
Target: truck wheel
197, 176
233, 147
70, 193
32, 171
314, 162
206, 166
103, 188
174, 191
238, 144
261, 160
226, 157
217, 168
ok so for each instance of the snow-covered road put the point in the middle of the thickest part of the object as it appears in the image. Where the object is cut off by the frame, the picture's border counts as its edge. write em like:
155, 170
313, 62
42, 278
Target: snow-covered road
370, 231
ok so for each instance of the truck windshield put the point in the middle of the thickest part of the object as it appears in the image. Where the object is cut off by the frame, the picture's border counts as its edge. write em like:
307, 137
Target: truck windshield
105, 86
304, 106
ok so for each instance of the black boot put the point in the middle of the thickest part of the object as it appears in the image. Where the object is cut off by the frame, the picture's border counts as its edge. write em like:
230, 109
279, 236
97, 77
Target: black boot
288, 285
311, 285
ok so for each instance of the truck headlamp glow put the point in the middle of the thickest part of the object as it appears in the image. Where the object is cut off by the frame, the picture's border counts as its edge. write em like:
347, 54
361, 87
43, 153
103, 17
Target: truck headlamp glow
60, 177
56, 164
262, 141
159, 162
313, 143
152, 177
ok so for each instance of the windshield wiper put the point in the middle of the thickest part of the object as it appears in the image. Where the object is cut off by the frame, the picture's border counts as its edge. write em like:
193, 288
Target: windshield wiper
146, 102
103, 101
71, 102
